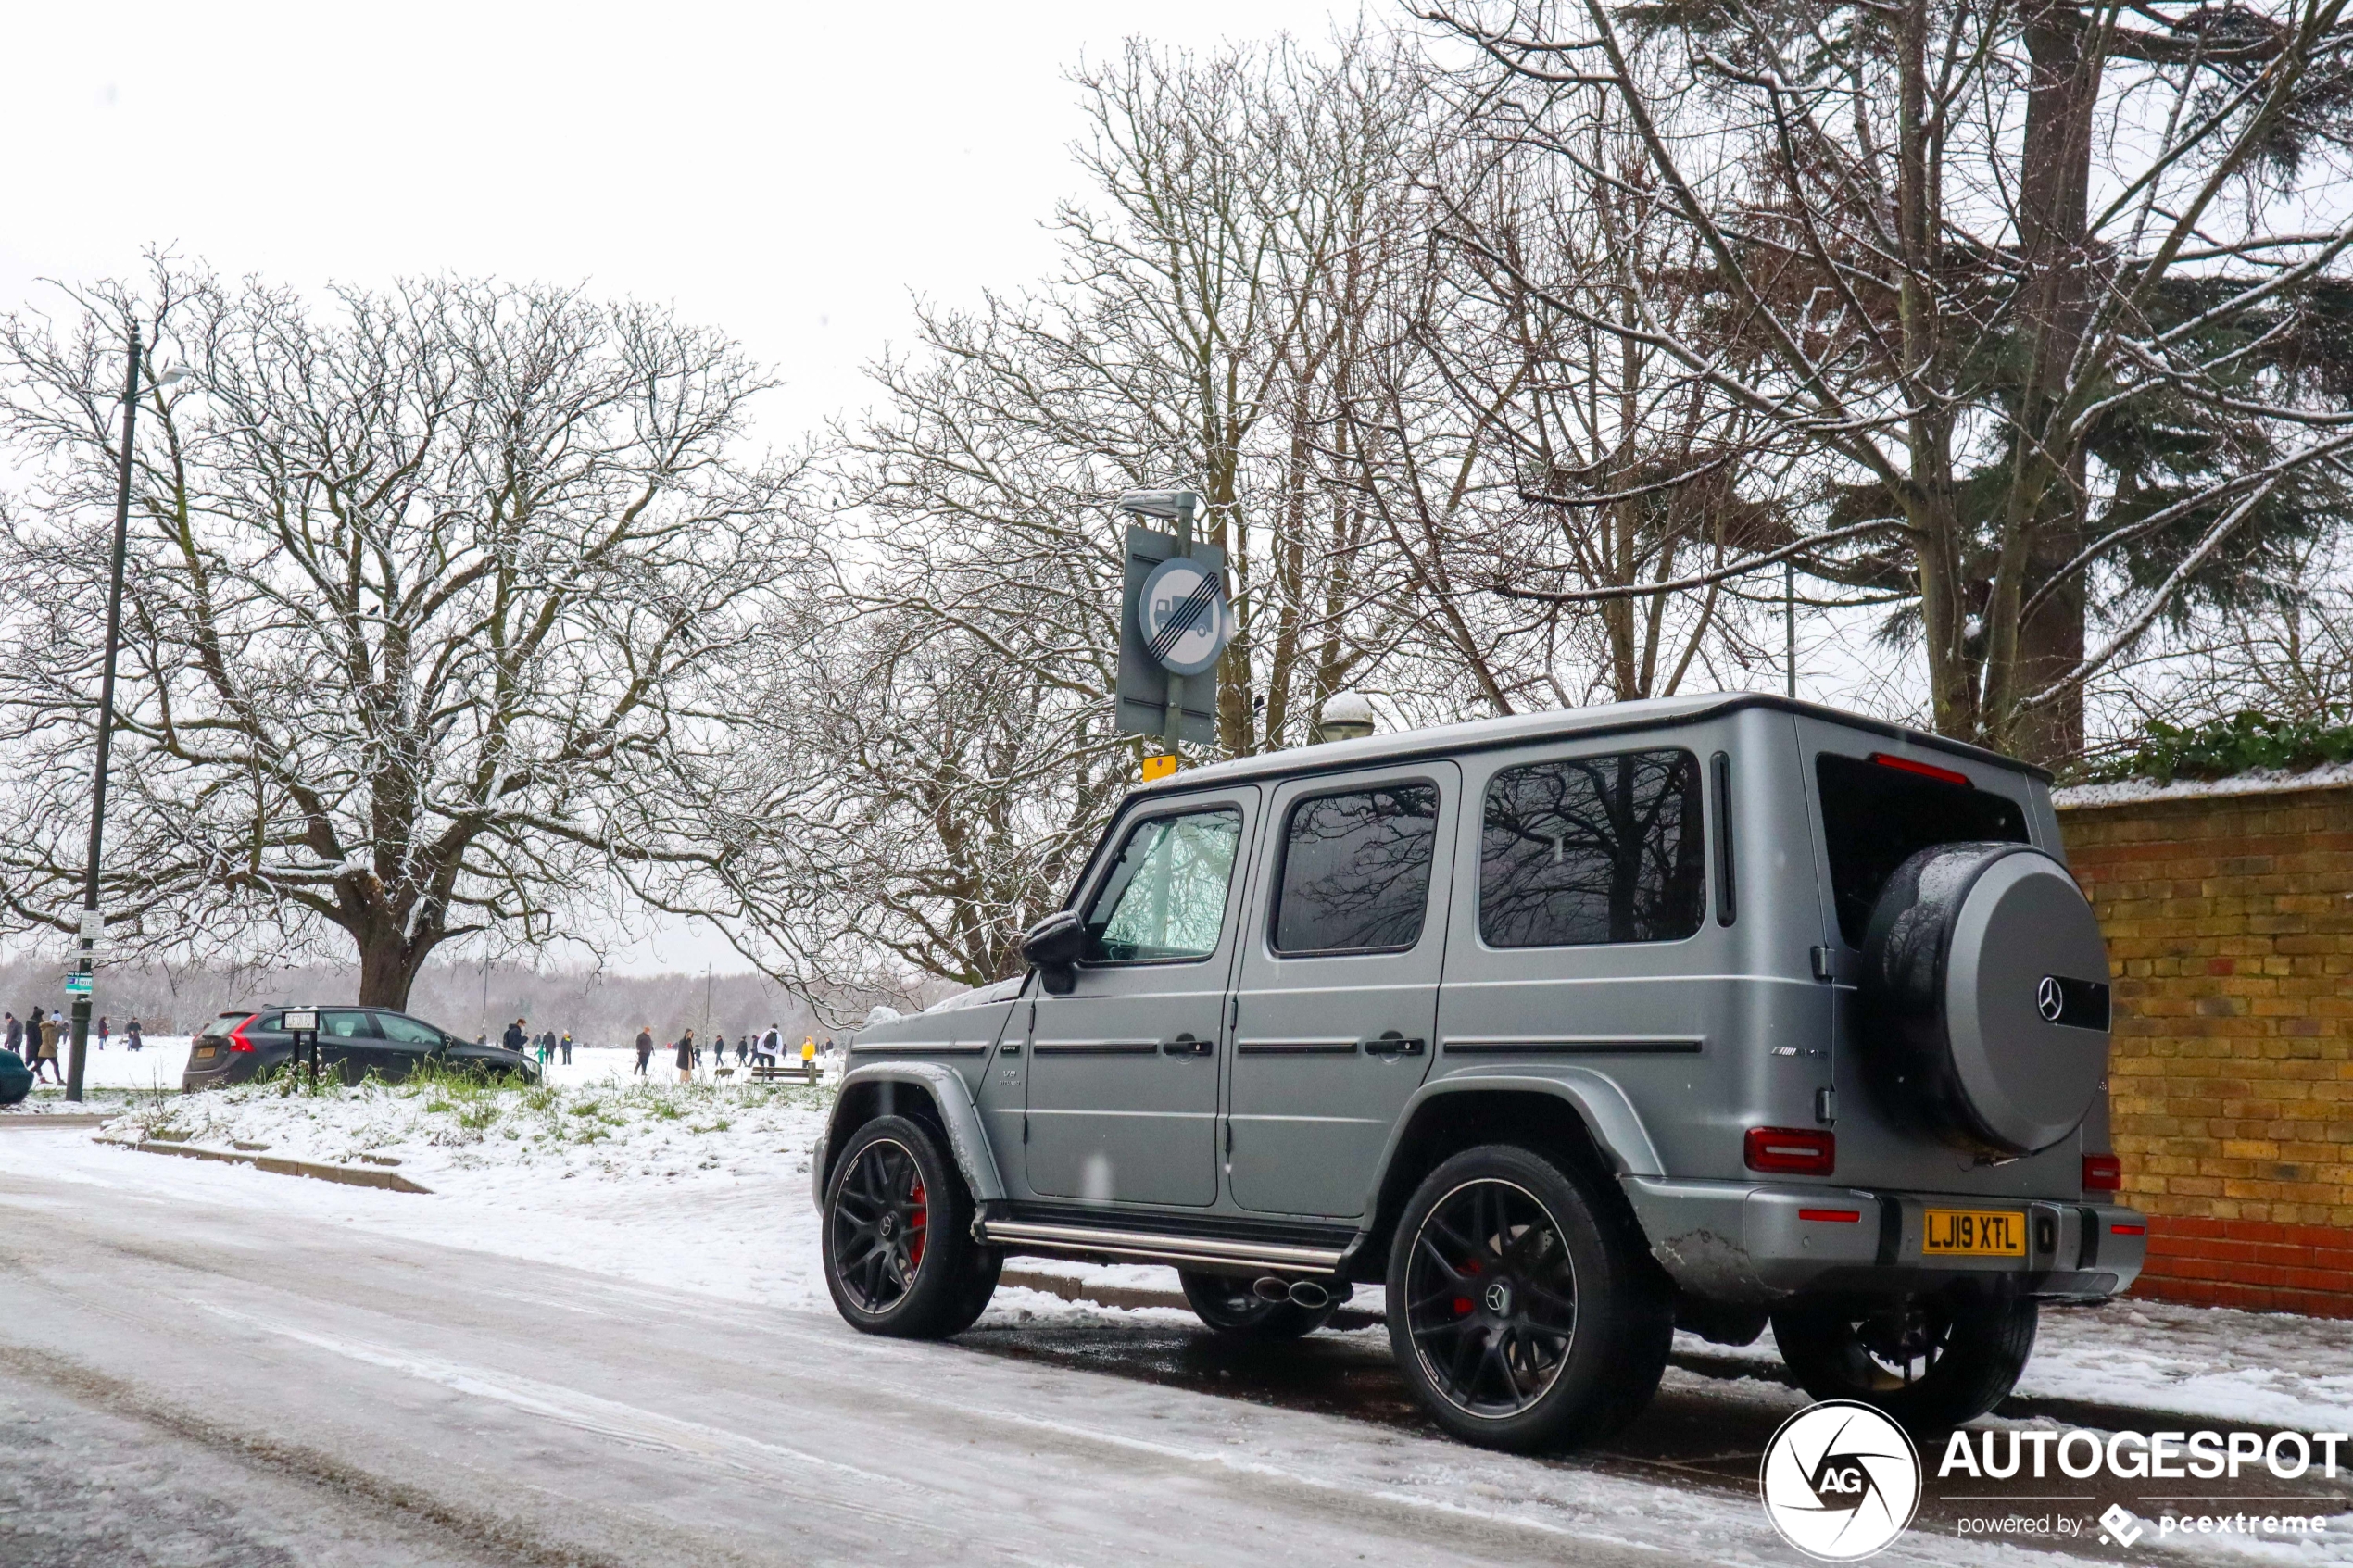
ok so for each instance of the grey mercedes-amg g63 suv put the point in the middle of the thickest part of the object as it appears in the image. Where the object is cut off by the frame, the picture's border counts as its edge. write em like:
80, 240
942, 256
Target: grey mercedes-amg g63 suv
1563, 1029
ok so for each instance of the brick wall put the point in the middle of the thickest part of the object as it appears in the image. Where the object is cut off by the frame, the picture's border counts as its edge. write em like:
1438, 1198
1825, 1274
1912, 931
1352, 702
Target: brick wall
2229, 918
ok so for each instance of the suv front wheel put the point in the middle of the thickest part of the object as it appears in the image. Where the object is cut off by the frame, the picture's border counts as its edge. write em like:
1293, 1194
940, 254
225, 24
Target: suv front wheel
1523, 1312
900, 1257
1932, 1363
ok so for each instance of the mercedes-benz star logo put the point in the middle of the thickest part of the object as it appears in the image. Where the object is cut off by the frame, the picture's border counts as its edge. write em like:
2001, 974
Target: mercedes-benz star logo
1840, 1481
2049, 1001
1499, 1298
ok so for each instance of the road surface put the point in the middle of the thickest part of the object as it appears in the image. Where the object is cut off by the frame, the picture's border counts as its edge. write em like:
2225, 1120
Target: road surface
192, 1383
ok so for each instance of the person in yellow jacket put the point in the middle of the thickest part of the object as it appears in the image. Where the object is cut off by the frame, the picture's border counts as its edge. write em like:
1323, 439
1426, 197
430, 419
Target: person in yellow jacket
809, 1054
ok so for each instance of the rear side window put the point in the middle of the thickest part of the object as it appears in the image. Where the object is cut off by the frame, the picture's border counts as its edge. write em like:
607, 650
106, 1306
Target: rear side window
1356, 871
1165, 896
1593, 849
1875, 817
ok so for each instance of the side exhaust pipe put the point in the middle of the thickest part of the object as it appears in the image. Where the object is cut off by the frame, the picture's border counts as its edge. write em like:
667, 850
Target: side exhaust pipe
1313, 1295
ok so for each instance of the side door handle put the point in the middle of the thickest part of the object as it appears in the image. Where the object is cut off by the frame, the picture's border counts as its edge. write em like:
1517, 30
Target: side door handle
1389, 1042
1184, 1045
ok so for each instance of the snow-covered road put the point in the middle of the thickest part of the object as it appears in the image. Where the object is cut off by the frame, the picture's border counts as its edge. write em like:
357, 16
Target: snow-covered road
601, 1337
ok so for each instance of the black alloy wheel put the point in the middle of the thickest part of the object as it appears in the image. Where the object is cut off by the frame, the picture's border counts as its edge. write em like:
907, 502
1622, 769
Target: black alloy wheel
1932, 1363
1227, 1303
1524, 1310
1490, 1298
881, 1219
899, 1254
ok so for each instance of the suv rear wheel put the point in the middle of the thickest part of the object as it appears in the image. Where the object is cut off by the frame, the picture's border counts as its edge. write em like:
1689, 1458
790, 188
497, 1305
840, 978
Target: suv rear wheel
1932, 1363
900, 1257
1229, 1305
1523, 1312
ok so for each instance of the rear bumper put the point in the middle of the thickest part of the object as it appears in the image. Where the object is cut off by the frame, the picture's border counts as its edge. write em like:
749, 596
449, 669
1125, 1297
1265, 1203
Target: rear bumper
1753, 1243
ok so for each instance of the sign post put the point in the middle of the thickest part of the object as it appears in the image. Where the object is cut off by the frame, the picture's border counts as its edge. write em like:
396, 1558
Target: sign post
303, 1024
1174, 625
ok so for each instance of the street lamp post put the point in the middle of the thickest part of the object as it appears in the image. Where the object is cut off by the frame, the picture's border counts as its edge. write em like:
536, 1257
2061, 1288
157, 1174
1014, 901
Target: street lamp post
91, 923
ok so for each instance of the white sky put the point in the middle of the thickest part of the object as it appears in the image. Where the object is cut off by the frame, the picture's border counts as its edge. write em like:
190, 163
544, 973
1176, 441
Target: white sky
790, 172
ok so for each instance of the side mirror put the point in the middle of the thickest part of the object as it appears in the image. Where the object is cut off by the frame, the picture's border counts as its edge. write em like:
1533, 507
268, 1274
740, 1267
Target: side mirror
1053, 947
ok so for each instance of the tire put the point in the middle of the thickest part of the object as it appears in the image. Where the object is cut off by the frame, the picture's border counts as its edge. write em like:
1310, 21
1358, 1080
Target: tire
1226, 1303
1930, 1364
1524, 1311
896, 1238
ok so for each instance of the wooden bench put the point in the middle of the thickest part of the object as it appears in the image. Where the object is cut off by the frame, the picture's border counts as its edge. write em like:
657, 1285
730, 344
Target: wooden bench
765, 1073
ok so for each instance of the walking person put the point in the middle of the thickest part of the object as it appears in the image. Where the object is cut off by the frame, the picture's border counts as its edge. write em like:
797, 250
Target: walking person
514, 1039
103, 1032
771, 1044
742, 1049
131, 1038
718, 1053
14, 1032
566, 1045
644, 1048
809, 1055
686, 1053
50, 1027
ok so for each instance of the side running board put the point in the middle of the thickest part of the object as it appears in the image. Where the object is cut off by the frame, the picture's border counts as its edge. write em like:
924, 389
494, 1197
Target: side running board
1150, 1247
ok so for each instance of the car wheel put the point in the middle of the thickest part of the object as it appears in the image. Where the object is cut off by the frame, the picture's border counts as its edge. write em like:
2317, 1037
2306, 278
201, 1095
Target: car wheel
1523, 1308
1930, 1364
1227, 1303
899, 1254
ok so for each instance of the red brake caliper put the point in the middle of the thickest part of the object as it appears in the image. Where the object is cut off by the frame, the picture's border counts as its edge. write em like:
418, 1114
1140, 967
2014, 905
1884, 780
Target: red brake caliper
1463, 1303
915, 1224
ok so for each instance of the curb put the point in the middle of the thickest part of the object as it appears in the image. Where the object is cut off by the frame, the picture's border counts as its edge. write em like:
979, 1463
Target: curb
349, 1175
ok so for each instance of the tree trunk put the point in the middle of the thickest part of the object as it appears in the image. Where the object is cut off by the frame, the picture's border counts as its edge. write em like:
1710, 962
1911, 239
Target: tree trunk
389, 964
2054, 220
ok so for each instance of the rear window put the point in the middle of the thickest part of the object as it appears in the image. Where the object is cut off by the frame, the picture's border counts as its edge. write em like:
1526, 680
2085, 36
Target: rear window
1875, 818
1591, 850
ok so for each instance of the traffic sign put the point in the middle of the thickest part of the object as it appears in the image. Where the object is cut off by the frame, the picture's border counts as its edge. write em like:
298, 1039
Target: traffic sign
1183, 616
1147, 682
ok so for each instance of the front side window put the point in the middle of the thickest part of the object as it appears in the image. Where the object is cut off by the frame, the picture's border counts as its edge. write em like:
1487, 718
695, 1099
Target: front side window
1356, 871
1165, 896
338, 1024
1593, 849
407, 1031
1877, 815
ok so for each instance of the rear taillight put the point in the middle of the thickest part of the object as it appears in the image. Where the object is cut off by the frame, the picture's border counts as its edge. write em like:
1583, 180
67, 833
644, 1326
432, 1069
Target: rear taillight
237, 1041
1794, 1152
2103, 1172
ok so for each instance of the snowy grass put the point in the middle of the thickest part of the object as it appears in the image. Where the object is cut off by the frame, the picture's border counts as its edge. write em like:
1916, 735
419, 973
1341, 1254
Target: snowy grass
448, 1123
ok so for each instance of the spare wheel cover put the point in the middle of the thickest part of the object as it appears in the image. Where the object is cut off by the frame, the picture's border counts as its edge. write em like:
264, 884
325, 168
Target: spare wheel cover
2026, 1000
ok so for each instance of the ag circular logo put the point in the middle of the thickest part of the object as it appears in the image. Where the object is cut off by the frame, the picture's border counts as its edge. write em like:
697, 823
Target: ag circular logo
2049, 1001
1183, 612
1840, 1481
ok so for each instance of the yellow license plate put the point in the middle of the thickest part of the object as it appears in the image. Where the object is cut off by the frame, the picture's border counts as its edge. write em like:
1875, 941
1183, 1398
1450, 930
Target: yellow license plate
204, 1053
1974, 1232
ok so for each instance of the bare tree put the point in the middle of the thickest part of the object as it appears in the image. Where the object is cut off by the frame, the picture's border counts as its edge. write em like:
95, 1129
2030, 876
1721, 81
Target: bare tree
428, 595
2041, 292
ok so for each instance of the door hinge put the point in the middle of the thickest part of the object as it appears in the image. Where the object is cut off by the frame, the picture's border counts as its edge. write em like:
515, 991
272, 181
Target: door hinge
1229, 1138
1829, 967
1234, 1013
1024, 1126
1033, 1018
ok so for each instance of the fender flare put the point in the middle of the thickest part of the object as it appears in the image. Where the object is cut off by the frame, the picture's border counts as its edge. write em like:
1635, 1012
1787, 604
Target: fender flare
967, 1142
1615, 1127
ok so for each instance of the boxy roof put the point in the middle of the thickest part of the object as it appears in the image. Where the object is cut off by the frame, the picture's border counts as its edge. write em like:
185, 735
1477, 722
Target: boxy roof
1481, 734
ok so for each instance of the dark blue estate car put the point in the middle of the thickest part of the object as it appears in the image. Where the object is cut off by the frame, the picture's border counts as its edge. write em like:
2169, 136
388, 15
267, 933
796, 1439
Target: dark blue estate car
354, 1043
